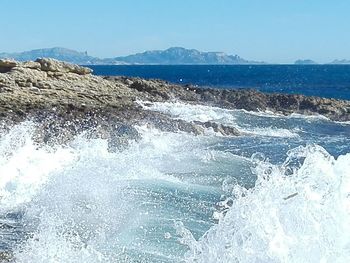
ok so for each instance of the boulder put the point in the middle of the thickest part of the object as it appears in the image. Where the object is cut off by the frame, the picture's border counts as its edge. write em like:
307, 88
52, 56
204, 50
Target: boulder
52, 65
6, 65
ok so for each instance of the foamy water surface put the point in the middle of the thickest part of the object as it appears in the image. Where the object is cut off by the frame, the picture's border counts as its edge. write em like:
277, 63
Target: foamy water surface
278, 193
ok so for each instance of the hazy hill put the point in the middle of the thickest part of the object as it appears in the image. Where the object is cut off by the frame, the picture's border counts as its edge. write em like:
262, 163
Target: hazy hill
179, 55
59, 53
305, 62
171, 56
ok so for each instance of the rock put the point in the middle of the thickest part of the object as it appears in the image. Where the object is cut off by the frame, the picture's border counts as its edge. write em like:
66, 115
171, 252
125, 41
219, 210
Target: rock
220, 128
152, 88
48, 64
120, 135
6, 256
6, 65
165, 123
30, 64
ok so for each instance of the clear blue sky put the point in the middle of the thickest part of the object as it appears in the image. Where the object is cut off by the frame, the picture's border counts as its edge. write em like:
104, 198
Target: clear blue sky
278, 31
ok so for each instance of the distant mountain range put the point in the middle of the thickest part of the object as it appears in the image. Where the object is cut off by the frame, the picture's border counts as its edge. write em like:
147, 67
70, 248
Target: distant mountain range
178, 55
59, 53
171, 56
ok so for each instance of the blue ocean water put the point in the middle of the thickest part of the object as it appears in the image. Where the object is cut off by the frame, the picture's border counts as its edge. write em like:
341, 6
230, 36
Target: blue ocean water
331, 81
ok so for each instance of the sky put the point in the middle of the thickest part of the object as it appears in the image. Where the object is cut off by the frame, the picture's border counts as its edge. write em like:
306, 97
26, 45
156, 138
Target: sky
275, 31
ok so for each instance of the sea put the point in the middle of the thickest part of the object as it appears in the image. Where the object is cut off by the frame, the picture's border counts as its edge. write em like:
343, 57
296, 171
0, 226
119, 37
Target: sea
330, 81
278, 193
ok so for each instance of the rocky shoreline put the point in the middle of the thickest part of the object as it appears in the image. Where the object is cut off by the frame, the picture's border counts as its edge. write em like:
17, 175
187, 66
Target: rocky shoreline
65, 99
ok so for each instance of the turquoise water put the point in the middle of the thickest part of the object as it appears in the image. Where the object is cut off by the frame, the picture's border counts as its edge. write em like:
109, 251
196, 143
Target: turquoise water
278, 193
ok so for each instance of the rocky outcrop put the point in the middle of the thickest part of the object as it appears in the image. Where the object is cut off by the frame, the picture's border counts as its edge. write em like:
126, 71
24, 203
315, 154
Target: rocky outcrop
44, 64
247, 99
52, 65
67, 99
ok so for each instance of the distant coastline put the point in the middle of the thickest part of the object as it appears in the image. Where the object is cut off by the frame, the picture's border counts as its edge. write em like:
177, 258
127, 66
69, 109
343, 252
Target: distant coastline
170, 56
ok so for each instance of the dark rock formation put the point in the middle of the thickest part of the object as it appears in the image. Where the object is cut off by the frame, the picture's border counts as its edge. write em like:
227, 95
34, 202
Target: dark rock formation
248, 99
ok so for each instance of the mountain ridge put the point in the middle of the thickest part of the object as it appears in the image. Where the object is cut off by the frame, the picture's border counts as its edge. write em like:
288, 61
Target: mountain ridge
183, 56
59, 53
170, 56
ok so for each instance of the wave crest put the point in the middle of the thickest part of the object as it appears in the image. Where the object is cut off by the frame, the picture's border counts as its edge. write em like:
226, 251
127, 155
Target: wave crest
297, 210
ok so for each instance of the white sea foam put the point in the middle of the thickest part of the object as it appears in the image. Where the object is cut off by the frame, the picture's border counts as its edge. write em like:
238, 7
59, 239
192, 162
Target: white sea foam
203, 113
267, 113
270, 114
24, 168
84, 203
189, 112
297, 212
309, 117
343, 122
271, 132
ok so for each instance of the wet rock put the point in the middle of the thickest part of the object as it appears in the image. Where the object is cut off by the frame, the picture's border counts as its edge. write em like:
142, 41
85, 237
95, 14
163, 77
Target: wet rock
166, 123
120, 136
220, 128
6, 256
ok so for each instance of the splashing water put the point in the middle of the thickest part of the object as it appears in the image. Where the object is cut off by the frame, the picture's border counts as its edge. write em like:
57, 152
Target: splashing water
83, 203
158, 200
297, 212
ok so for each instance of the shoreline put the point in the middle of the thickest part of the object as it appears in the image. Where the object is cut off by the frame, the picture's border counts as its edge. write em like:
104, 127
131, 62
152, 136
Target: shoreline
66, 99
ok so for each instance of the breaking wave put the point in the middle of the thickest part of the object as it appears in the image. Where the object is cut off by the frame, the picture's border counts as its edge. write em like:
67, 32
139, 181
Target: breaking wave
297, 212
177, 197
